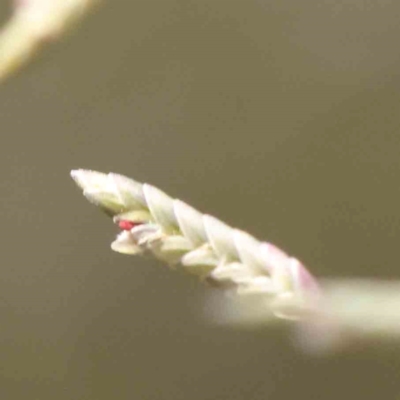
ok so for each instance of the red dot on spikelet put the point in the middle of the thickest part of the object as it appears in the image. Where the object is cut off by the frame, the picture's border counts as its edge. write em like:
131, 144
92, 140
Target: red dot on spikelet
126, 225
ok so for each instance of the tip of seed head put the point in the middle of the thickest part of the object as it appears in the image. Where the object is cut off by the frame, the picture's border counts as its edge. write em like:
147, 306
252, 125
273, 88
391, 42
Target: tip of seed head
78, 176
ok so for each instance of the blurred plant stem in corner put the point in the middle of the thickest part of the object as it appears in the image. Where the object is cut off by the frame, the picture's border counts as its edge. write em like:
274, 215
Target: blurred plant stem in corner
32, 24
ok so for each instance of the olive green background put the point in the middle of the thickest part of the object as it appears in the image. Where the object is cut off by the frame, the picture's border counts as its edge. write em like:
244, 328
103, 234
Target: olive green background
280, 117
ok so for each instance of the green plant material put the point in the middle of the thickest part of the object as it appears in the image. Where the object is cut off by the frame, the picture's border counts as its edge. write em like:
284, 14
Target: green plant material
174, 232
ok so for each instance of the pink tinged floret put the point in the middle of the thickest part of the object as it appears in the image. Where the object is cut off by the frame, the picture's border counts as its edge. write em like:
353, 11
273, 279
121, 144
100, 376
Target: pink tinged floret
275, 259
304, 281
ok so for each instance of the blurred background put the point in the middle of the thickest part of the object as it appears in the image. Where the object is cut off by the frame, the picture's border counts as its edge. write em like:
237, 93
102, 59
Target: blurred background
279, 117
